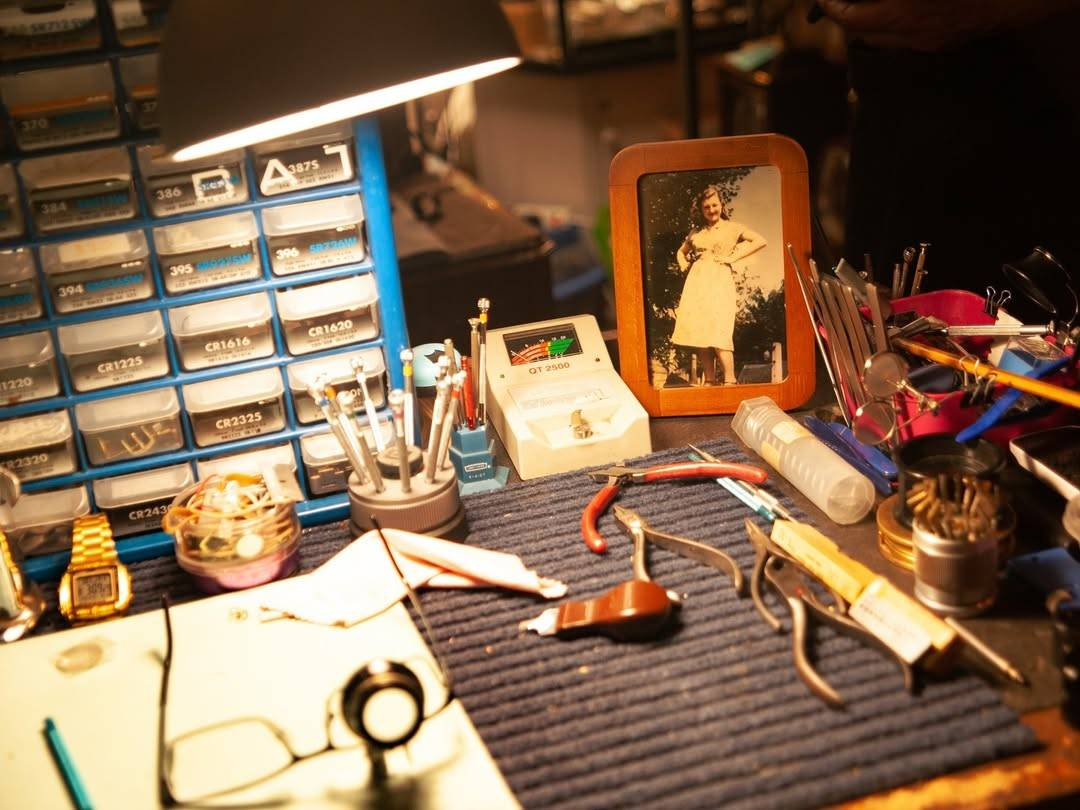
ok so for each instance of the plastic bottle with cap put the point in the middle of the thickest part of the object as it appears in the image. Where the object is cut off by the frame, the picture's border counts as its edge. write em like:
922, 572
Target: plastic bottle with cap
831, 484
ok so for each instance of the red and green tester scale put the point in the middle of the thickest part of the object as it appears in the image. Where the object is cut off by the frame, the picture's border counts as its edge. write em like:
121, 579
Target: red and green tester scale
556, 400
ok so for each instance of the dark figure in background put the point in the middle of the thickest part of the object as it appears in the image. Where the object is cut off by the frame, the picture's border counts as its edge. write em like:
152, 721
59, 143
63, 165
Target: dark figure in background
966, 134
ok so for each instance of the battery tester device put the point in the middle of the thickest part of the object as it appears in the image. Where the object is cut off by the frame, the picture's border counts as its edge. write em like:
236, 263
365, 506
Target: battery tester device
556, 400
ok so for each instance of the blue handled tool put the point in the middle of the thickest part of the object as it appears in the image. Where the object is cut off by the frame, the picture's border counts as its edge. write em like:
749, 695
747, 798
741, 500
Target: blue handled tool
874, 457
840, 447
995, 412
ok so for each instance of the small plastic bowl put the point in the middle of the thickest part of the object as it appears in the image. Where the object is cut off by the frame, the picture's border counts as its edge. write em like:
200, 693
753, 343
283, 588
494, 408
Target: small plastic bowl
228, 554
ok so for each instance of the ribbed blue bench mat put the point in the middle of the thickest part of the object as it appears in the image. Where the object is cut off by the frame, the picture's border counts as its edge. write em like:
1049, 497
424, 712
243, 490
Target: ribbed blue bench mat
712, 715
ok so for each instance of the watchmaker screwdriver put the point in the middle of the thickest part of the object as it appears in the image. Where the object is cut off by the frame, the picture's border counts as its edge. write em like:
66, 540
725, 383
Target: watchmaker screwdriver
345, 403
438, 414
396, 401
410, 397
474, 354
448, 352
450, 419
483, 305
359, 368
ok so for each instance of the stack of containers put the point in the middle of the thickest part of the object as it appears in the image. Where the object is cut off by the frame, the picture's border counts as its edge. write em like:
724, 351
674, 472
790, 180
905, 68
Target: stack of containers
159, 321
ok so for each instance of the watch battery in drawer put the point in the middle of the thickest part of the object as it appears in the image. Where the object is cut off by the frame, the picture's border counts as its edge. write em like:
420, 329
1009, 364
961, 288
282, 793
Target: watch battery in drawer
20, 296
137, 502
195, 185
314, 235
76, 189
97, 272
27, 368
208, 252
231, 408
116, 351
62, 106
314, 158
220, 332
334, 313
38, 446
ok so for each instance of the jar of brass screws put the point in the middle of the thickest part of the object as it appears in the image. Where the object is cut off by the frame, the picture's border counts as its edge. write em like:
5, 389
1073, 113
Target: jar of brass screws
961, 534
233, 531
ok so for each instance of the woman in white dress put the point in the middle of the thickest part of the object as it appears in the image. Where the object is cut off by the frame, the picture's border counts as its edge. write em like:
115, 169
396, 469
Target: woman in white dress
705, 317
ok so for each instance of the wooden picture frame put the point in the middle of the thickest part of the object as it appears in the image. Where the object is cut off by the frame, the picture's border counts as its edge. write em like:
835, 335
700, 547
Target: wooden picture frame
679, 209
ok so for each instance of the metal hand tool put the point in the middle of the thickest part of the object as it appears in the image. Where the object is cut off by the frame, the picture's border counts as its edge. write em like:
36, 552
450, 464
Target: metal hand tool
617, 477
345, 403
410, 397
909, 255
770, 502
483, 304
854, 320
450, 419
631, 611
474, 355
830, 361
396, 401
920, 269
793, 584
987, 652
852, 278
359, 368
640, 531
880, 309
838, 339
894, 290
438, 412
325, 398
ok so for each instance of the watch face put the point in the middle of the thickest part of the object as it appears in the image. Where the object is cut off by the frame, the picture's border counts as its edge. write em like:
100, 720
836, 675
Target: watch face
96, 587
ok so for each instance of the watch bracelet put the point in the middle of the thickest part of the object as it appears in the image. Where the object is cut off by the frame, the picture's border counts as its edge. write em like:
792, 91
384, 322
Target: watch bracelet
92, 542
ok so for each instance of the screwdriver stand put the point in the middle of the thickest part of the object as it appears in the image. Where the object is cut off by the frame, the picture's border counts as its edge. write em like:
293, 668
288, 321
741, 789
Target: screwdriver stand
472, 454
430, 507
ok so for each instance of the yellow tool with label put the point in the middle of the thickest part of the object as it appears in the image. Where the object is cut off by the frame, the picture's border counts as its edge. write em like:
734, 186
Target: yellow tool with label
893, 617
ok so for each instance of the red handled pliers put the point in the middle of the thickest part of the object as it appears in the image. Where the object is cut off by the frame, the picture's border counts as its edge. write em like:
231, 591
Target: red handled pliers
618, 476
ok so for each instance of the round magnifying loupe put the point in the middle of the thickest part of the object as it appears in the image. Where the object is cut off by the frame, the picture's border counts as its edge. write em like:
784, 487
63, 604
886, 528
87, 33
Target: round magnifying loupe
874, 422
384, 703
884, 374
1043, 280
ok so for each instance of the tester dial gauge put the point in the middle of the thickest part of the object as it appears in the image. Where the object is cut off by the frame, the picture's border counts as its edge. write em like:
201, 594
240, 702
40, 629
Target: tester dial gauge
556, 400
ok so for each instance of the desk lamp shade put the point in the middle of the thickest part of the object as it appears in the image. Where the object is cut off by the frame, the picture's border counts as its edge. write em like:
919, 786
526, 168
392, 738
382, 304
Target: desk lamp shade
237, 72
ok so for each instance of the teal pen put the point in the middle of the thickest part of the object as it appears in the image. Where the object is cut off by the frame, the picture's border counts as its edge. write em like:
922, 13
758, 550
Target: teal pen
749, 498
67, 766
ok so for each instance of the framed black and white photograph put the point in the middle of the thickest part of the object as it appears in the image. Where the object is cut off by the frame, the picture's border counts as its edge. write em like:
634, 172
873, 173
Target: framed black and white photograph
708, 314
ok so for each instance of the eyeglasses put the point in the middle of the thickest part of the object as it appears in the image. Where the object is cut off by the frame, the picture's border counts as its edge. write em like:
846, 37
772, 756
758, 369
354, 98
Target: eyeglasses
384, 704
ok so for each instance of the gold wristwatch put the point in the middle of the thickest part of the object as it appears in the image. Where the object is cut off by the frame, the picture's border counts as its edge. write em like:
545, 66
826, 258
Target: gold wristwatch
96, 584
